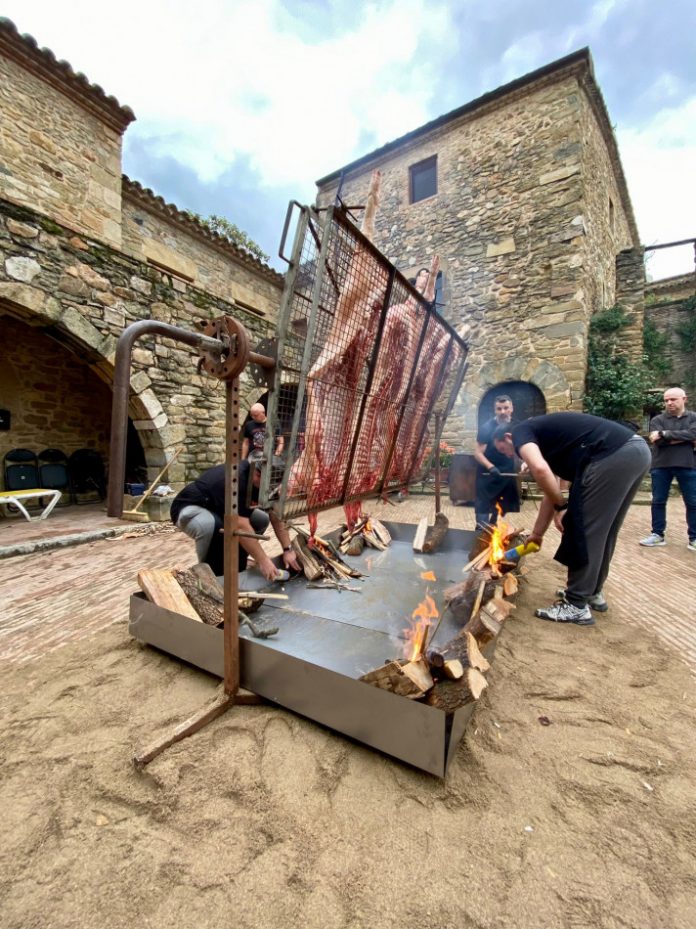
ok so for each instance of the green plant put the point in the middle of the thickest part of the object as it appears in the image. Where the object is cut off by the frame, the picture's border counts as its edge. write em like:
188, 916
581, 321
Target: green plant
446, 452
655, 345
616, 384
228, 230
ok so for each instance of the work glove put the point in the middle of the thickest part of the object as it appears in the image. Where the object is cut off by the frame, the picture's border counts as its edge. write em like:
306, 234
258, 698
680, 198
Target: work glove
494, 472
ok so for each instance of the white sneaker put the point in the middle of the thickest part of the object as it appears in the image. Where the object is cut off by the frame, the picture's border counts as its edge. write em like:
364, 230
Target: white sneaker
653, 540
596, 602
692, 545
564, 612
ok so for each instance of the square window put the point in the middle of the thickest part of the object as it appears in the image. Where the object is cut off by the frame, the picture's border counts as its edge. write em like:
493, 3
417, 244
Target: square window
423, 179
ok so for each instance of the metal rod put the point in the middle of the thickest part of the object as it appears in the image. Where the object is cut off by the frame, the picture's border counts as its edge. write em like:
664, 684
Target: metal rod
121, 391
231, 550
437, 463
652, 248
404, 404
372, 366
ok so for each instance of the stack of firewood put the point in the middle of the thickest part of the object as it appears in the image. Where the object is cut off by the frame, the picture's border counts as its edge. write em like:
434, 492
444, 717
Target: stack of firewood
451, 675
367, 531
320, 559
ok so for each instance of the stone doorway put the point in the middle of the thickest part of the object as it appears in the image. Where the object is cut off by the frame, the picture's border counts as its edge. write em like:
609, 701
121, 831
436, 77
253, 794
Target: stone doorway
527, 401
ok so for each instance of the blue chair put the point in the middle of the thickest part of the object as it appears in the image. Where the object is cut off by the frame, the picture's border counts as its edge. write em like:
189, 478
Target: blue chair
21, 470
53, 472
87, 475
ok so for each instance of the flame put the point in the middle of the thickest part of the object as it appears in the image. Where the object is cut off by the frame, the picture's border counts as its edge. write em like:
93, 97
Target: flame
500, 532
428, 576
417, 635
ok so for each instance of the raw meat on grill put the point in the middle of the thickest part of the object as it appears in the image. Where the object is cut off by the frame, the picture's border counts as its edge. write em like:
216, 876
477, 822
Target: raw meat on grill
332, 382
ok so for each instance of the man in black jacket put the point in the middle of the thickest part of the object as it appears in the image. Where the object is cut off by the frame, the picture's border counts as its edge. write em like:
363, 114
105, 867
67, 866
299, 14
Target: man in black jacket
493, 485
199, 510
604, 463
673, 438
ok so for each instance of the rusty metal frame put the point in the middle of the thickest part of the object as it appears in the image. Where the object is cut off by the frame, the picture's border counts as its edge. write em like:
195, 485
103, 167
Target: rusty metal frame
322, 225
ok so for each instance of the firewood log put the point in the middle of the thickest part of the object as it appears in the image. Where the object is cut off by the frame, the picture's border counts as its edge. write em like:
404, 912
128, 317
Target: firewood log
354, 546
510, 585
464, 648
203, 600
436, 534
421, 532
310, 565
483, 627
381, 531
461, 606
450, 695
419, 673
391, 677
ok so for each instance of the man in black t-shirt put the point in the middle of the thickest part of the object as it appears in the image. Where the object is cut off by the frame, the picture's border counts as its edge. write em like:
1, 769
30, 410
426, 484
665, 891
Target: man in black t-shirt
199, 511
604, 463
254, 434
492, 486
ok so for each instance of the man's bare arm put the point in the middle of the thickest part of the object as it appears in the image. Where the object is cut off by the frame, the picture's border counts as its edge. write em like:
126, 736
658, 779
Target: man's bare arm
479, 455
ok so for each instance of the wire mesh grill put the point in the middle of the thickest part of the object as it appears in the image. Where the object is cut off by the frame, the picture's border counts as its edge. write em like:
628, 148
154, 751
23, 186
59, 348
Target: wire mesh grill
364, 364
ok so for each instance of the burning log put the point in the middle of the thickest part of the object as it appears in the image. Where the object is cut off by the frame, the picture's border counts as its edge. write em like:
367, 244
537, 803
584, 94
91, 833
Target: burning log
451, 695
367, 531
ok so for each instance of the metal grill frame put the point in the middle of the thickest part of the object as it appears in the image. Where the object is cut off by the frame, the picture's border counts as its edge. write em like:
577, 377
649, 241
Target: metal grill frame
319, 227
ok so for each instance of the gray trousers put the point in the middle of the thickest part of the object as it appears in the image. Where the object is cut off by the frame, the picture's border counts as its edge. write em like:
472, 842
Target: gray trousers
199, 525
608, 487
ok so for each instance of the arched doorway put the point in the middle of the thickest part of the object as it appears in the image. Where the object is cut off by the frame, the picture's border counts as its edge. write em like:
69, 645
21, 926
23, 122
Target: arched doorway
527, 400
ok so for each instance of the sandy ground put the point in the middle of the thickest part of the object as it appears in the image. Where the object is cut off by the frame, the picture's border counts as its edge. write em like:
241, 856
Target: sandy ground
266, 820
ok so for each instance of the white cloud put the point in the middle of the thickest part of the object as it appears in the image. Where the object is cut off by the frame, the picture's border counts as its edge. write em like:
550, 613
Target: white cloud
659, 160
223, 79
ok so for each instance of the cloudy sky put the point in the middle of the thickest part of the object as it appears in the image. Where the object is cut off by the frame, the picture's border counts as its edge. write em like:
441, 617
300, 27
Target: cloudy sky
242, 104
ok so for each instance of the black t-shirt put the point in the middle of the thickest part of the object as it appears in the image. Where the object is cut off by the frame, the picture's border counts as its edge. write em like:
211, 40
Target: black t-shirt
208, 491
256, 434
484, 437
569, 440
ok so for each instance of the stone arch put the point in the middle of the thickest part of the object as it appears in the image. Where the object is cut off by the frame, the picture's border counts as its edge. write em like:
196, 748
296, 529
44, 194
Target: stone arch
527, 399
96, 350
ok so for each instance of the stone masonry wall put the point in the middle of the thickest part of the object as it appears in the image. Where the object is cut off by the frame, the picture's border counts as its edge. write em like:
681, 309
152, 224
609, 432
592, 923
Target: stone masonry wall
510, 222
148, 236
56, 157
667, 316
606, 229
85, 293
57, 402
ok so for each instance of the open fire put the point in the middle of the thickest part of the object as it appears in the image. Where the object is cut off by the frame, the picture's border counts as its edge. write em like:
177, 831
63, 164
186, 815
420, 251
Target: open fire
417, 634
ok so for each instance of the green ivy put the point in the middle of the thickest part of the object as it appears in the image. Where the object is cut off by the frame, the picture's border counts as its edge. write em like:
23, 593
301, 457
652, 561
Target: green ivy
616, 384
655, 345
687, 331
228, 230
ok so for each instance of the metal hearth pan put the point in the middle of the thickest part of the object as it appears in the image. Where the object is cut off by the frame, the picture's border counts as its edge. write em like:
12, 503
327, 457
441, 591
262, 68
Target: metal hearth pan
327, 639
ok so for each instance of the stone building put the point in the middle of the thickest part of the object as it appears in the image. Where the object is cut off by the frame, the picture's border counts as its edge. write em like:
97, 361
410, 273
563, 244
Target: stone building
670, 305
84, 252
522, 194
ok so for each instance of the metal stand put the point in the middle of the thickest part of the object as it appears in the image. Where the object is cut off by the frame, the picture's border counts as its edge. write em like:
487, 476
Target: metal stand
224, 350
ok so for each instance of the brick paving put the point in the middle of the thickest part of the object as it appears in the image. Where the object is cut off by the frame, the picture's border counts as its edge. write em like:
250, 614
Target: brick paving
52, 598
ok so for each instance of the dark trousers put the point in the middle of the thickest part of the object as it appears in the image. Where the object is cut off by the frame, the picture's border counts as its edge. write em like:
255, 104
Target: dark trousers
661, 483
608, 487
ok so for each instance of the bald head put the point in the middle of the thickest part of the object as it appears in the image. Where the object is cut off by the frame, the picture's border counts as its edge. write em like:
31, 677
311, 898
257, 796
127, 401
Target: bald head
257, 413
675, 401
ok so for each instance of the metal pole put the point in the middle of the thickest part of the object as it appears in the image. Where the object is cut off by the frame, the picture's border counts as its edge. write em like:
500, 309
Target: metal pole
231, 554
437, 464
121, 390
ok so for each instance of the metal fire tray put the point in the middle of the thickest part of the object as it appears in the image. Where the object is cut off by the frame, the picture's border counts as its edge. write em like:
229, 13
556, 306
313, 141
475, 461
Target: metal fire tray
328, 638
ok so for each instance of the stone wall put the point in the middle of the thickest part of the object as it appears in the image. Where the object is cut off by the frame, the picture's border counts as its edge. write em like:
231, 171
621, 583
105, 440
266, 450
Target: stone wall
84, 293
56, 401
667, 315
56, 157
163, 237
514, 223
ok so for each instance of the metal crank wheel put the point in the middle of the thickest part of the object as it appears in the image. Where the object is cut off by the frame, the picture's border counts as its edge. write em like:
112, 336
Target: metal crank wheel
230, 362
